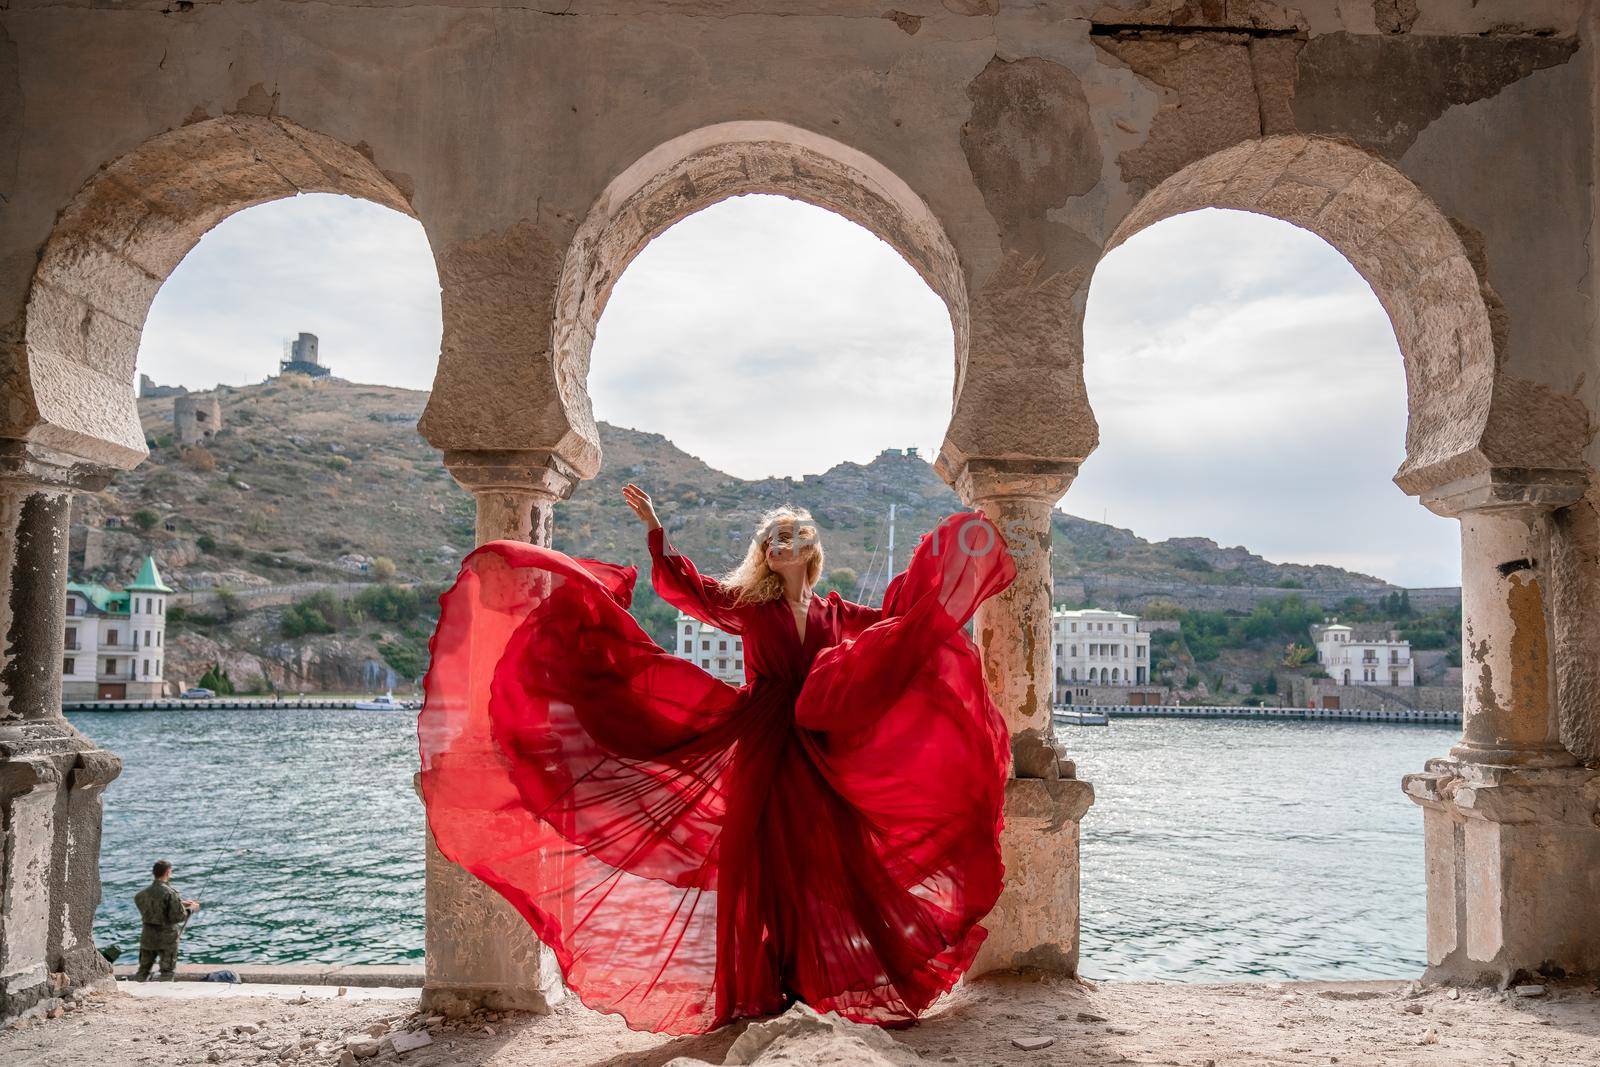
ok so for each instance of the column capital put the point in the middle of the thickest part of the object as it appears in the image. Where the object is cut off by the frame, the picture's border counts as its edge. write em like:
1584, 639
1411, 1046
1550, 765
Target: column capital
536, 472
1508, 795
1506, 489
31, 465
986, 478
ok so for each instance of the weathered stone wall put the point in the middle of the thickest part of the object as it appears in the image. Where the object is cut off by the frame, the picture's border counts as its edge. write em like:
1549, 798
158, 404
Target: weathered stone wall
1304, 691
1030, 132
1002, 146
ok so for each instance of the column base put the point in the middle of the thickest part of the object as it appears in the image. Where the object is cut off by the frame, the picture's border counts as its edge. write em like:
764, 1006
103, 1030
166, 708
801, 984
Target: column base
453, 1002
1513, 869
51, 783
1034, 925
480, 952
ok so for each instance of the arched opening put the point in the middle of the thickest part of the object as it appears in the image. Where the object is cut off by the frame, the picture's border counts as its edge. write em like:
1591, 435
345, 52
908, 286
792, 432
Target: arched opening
121, 237
759, 336
254, 549
701, 168
1277, 378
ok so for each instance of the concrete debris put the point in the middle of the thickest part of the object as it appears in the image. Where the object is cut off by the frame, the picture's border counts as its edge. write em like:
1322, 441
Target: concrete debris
1528, 990
1032, 1044
407, 1040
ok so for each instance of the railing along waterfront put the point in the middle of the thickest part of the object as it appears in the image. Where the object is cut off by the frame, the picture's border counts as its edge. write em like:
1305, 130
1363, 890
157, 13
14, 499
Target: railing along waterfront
1193, 711
227, 704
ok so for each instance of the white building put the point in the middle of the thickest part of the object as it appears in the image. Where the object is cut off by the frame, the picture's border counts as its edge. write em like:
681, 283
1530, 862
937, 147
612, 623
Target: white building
1352, 658
1096, 647
116, 640
718, 651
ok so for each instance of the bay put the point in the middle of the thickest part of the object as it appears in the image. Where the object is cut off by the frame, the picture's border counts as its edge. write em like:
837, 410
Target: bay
1215, 850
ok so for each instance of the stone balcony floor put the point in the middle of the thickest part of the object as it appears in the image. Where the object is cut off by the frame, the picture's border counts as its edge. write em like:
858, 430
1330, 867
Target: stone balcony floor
1116, 1023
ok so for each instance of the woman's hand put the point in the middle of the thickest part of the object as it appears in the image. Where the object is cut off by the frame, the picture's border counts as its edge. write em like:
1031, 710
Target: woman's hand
640, 502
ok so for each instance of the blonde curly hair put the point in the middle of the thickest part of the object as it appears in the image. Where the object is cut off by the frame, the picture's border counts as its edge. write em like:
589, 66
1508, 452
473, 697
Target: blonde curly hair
753, 581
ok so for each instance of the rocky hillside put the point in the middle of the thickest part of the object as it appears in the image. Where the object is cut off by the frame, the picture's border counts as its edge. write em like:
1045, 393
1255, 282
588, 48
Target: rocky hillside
309, 484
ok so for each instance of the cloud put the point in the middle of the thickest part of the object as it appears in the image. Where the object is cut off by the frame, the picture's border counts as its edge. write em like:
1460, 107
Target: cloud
1244, 377
1248, 388
770, 337
358, 275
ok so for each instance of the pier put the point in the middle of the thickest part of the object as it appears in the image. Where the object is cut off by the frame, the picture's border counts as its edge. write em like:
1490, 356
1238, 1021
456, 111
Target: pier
1190, 711
227, 704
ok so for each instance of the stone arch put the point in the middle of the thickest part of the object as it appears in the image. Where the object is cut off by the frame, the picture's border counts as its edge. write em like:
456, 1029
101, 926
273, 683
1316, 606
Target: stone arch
1447, 320
123, 234
711, 164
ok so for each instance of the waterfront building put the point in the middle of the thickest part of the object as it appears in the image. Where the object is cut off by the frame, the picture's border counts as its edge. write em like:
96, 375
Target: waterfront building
1098, 647
1368, 656
717, 651
116, 640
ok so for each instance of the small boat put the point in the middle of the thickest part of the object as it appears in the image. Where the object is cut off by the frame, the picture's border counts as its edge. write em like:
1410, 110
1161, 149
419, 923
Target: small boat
1075, 717
387, 702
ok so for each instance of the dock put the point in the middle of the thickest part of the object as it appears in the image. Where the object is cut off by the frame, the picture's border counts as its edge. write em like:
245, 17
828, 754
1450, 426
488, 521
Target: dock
1187, 711
226, 704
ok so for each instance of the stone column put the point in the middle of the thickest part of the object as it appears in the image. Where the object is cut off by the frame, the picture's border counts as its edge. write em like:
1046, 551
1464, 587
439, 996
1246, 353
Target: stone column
480, 951
1035, 923
51, 776
1511, 821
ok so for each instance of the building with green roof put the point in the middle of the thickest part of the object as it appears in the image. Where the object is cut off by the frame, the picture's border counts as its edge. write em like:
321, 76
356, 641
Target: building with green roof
116, 639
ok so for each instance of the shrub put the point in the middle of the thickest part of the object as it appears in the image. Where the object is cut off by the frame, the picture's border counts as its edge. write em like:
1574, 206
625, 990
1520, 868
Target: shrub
319, 613
199, 458
388, 604
408, 656
206, 543
383, 569
145, 519
229, 602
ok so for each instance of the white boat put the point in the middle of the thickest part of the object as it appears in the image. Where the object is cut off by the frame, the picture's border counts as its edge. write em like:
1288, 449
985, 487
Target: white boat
1075, 717
387, 702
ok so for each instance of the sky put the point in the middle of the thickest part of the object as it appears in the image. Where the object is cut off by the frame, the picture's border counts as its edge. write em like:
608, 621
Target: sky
1245, 379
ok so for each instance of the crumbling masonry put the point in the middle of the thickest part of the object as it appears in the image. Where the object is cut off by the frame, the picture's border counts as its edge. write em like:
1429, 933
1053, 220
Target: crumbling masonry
1447, 150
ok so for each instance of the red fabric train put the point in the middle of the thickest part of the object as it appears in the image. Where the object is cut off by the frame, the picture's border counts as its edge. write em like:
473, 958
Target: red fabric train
692, 851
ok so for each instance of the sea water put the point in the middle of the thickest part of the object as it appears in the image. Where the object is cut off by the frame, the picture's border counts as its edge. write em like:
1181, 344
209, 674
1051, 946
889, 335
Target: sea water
1215, 849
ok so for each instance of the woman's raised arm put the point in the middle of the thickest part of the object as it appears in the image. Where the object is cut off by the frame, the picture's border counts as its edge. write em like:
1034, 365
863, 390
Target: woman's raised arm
676, 579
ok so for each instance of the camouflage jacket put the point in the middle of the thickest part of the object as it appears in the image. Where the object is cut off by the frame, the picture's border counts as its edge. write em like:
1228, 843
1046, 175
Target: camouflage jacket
161, 908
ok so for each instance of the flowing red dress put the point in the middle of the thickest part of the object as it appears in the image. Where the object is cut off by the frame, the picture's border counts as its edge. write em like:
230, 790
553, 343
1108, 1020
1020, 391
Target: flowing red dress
694, 851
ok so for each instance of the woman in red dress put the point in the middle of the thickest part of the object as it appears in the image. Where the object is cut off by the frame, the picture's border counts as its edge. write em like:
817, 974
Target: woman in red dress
692, 851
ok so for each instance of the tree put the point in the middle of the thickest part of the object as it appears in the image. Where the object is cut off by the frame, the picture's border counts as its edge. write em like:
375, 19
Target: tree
216, 679
1297, 655
843, 579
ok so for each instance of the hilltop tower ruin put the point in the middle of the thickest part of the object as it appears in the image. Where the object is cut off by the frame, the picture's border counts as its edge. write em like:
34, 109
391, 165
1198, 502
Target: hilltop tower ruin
195, 418
300, 357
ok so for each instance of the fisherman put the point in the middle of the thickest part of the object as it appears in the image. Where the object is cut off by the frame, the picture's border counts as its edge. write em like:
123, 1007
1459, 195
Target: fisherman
164, 913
